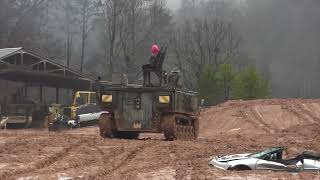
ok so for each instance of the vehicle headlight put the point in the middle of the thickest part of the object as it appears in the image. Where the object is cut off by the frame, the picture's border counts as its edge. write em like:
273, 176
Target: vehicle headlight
107, 98
164, 99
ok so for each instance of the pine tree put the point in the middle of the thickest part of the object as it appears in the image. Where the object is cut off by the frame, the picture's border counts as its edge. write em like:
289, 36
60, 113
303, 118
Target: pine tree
226, 76
250, 84
208, 86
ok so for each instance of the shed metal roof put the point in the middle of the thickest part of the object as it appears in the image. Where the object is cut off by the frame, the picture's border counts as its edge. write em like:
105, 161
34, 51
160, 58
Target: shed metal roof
18, 64
5, 52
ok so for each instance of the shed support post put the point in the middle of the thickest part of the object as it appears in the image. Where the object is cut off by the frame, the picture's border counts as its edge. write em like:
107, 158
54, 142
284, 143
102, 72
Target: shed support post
57, 95
41, 94
22, 60
26, 91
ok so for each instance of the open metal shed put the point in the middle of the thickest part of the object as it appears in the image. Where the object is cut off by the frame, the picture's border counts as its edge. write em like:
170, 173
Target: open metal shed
34, 70
20, 65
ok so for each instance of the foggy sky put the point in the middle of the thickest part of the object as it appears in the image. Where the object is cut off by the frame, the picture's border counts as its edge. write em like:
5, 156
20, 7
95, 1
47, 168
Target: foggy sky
173, 4
282, 38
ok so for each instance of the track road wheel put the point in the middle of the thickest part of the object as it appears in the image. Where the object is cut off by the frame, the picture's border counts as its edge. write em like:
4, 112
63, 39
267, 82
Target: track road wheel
106, 126
183, 133
169, 127
196, 128
178, 134
192, 133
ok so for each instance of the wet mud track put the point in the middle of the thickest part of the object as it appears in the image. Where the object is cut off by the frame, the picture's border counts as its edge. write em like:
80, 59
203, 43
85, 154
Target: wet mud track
82, 154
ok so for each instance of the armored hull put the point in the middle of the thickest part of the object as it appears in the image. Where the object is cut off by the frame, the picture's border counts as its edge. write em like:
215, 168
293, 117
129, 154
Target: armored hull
134, 109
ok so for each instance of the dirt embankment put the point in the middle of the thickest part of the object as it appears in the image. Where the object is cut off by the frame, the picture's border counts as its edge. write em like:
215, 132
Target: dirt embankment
233, 127
259, 117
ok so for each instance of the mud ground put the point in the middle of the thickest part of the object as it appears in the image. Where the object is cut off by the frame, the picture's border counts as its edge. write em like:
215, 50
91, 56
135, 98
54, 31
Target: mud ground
233, 127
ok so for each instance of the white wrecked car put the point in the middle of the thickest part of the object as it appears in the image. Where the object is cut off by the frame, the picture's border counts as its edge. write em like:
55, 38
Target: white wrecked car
270, 159
88, 118
88, 115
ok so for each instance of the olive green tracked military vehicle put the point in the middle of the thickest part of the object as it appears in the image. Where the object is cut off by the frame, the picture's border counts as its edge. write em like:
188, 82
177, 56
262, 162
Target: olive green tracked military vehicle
162, 108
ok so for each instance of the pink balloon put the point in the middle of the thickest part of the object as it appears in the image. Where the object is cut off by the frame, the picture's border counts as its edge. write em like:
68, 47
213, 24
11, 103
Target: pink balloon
155, 49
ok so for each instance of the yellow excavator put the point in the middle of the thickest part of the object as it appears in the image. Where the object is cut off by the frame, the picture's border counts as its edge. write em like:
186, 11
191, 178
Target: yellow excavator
80, 98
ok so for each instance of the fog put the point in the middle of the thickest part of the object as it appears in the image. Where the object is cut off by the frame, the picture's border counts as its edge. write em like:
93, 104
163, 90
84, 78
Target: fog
283, 36
280, 37
173, 4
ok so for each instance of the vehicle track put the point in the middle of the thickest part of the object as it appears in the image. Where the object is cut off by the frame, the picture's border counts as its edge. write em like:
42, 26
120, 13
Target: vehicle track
68, 162
130, 171
83, 154
248, 116
309, 112
46, 162
256, 114
119, 158
39, 165
181, 164
297, 111
109, 158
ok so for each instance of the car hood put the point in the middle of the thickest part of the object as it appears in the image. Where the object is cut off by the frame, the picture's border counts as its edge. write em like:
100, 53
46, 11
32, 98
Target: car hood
101, 112
231, 157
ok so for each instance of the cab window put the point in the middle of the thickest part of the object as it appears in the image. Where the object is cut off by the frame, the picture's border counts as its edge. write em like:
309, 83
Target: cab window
82, 99
93, 98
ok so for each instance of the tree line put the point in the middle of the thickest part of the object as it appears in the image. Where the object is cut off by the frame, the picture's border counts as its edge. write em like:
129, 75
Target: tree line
100, 37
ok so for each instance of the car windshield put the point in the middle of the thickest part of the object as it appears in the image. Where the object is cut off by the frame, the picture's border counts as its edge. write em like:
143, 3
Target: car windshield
262, 154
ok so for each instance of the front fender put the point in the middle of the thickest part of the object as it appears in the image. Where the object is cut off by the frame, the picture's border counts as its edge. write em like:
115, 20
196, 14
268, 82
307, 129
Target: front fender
251, 163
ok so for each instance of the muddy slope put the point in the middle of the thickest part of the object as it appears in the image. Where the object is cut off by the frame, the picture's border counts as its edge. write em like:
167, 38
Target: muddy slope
233, 127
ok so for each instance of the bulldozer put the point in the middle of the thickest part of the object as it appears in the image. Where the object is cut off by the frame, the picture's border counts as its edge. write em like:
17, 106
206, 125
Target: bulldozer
160, 105
57, 121
24, 113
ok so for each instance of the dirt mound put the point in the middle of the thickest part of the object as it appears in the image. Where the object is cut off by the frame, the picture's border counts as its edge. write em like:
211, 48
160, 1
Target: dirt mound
259, 117
230, 128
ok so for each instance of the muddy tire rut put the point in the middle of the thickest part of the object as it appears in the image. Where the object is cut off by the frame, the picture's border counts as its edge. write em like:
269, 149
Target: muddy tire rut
43, 163
83, 154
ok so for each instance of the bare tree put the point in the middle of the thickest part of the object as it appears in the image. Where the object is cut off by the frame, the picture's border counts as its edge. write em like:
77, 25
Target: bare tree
68, 10
87, 12
111, 11
131, 19
16, 22
128, 28
144, 23
203, 42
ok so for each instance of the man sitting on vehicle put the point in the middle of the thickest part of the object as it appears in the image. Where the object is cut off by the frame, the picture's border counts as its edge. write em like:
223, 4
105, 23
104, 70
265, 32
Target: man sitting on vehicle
155, 65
